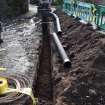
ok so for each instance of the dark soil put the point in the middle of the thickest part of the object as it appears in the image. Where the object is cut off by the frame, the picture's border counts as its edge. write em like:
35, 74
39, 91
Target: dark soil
44, 87
84, 82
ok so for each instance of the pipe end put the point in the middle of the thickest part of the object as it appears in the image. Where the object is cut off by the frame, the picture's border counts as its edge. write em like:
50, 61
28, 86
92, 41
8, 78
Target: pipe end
59, 32
67, 63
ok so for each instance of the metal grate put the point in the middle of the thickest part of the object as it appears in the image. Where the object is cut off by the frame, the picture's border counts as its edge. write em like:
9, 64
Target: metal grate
89, 12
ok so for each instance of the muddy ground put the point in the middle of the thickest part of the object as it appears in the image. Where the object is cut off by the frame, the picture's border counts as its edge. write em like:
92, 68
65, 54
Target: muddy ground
19, 54
84, 82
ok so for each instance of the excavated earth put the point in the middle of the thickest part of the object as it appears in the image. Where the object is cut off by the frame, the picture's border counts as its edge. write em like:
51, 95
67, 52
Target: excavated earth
84, 82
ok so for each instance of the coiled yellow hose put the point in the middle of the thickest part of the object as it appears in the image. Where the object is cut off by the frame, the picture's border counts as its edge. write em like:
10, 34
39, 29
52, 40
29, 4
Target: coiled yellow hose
15, 82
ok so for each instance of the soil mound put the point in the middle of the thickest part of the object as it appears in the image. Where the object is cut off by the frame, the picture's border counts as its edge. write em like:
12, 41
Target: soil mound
84, 82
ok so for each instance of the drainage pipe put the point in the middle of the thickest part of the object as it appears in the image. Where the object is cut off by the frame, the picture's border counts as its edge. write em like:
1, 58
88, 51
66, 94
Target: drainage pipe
56, 22
55, 18
63, 55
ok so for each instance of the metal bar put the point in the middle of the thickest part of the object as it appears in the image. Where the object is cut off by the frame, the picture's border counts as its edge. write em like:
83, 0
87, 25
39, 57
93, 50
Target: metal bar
63, 55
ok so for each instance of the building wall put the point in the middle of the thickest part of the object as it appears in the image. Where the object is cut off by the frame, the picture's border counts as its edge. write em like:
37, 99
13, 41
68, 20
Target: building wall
10, 8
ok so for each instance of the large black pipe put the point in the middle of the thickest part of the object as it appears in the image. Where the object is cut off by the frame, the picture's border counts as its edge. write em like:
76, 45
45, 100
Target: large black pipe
63, 55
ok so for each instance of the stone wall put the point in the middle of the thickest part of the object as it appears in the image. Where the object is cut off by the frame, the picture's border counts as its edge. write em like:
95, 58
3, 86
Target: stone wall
10, 8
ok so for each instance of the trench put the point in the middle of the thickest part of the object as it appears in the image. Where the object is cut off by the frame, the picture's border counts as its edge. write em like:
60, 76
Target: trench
44, 84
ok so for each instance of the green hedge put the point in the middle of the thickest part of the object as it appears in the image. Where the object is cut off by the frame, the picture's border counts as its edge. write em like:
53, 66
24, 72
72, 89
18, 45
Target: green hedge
58, 2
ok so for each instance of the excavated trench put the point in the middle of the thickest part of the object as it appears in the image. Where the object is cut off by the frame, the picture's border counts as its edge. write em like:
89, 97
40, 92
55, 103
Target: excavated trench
44, 83
44, 86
